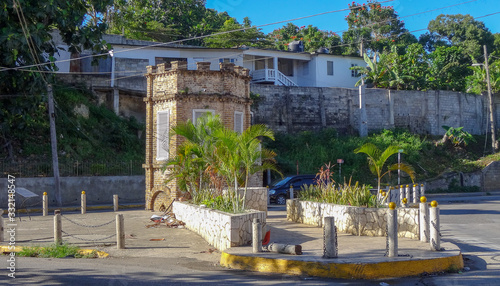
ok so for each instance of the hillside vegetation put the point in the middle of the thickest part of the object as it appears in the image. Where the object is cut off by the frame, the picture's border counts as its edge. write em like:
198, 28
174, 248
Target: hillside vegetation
425, 154
100, 136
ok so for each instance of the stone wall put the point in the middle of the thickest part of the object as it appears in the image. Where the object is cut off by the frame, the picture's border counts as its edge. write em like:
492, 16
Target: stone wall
296, 109
256, 198
127, 76
354, 220
99, 189
220, 229
491, 177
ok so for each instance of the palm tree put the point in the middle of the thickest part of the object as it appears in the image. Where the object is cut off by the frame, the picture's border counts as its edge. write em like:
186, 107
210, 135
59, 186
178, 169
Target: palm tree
377, 159
374, 73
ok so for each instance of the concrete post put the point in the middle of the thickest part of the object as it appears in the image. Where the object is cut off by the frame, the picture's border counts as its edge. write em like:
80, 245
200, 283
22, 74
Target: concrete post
392, 231
45, 204
422, 190
329, 238
1, 226
424, 219
115, 203
256, 235
415, 193
57, 227
401, 193
408, 194
404, 202
291, 192
120, 232
84, 203
435, 235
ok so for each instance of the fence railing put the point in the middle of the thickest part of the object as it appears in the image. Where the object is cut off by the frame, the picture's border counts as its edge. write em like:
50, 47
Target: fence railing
71, 168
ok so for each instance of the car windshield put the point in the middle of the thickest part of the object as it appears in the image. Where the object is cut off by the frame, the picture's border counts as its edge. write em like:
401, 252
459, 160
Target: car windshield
283, 182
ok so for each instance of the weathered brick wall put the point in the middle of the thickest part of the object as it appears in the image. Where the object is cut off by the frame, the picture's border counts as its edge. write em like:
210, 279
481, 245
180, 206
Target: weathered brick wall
295, 109
180, 91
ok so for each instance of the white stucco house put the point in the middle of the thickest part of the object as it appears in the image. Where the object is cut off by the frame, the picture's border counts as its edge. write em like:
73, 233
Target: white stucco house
130, 58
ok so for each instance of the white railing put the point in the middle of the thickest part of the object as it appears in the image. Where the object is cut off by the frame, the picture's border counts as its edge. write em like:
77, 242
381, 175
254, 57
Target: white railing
271, 75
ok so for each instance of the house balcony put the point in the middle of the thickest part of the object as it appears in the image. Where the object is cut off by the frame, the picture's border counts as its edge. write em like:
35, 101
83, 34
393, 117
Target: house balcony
271, 76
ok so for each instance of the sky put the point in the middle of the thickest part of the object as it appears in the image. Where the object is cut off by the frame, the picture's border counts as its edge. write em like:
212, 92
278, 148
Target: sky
263, 12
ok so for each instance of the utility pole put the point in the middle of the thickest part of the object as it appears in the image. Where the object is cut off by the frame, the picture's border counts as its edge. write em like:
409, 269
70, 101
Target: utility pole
494, 144
53, 144
363, 128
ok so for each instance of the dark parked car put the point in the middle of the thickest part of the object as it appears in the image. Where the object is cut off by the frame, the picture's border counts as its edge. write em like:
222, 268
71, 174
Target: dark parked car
280, 192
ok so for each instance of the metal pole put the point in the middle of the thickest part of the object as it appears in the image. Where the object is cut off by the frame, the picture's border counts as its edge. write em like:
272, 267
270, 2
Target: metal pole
494, 145
53, 144
435, 235
1, 226
399, 168
120, 232
57, 227
115, 203
45, 204
424, 219
256, 235
84, 203
392, 231
329, 238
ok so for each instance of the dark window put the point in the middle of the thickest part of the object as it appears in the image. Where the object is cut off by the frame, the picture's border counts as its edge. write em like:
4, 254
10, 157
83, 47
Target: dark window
354, 73
329, 67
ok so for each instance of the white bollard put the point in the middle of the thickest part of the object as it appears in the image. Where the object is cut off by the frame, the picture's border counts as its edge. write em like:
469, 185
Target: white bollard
268, 198
84, 203
45, 204
330, 238
415, 193
435, 235
256, 235
120, 232
115, 203
407, 193
424, 219
404, 202
422, 190
392, 231
1, 225
291, 192
57, 227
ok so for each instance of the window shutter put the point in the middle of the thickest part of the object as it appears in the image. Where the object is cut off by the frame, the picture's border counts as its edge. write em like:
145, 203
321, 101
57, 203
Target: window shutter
162, 135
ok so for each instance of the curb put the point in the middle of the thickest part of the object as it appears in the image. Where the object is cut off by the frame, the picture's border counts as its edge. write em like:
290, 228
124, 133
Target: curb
381, 270
100, 254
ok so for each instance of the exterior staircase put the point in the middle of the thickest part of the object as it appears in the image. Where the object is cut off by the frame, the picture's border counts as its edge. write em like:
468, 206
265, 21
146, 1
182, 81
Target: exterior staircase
271, 75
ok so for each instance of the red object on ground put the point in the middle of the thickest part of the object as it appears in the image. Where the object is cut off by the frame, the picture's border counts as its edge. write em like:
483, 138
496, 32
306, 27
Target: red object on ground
267, 238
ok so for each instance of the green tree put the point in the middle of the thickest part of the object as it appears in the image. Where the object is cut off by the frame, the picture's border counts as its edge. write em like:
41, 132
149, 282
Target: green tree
461, 31
248, 37
374, 26
447, 69
377, 159
312, 37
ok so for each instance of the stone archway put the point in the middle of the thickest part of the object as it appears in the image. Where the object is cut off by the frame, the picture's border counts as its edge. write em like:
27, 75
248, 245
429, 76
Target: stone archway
160, 200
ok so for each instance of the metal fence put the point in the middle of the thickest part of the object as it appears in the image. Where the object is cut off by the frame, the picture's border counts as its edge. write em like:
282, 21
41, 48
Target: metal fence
71, 168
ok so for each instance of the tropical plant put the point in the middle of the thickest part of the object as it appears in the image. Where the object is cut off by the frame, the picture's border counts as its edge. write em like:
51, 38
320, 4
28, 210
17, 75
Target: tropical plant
212, 156
458, 136
377, 159
342, 194
375, 72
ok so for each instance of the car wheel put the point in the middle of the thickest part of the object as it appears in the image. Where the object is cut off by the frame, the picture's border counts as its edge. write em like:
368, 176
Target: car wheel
281, 200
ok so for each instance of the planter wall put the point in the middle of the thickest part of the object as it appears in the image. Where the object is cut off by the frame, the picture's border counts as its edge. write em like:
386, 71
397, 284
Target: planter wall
256, 198
220, 229
354, 220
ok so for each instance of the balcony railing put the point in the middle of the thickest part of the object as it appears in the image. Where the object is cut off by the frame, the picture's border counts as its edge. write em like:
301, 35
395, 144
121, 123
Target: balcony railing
272, 75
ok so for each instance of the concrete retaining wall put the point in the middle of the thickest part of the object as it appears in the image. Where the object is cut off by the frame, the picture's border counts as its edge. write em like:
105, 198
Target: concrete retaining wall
256, 198
354, 220
99, 190
220, 229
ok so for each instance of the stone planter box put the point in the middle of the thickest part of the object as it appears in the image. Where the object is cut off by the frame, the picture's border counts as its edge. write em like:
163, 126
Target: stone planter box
354, 220
220, 229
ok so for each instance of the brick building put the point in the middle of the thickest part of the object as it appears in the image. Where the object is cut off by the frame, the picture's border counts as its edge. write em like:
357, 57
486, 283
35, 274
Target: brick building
177, 95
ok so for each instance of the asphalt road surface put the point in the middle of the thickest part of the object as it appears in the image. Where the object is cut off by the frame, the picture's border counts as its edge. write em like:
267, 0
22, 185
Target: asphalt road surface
473, 223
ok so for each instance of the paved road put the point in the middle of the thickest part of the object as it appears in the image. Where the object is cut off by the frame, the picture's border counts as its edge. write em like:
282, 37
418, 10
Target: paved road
472, 223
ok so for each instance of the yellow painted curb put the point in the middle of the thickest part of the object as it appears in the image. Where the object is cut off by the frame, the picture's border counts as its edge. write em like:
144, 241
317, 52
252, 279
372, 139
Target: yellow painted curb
100, 254
343, 270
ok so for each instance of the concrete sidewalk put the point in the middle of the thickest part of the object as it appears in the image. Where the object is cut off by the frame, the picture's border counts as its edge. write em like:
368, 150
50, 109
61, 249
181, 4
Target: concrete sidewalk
360, 257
